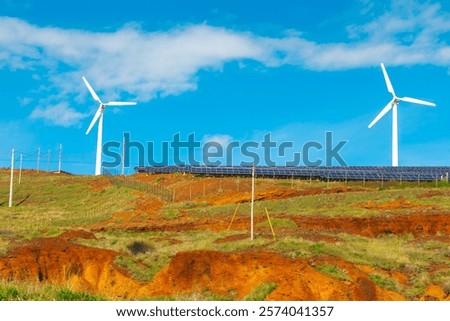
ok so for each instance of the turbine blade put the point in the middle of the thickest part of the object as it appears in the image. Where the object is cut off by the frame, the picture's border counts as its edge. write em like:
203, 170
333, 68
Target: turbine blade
417, 101
382, 113
96, 117
387, 80
94, 95
119, 103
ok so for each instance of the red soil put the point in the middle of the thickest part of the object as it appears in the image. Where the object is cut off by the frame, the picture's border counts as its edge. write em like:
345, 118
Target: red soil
418, 224
393, 205
77, 234
99, 183
58, 261
237, 274
435, 292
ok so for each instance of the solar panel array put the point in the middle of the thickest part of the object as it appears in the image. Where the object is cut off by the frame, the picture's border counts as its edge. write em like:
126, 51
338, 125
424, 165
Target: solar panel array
402, 173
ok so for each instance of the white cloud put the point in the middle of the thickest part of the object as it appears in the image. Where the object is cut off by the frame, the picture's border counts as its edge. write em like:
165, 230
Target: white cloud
222, 139
142, 64
60, 115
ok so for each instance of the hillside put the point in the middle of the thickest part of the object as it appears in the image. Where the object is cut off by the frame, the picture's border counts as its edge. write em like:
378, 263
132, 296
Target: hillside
181, 237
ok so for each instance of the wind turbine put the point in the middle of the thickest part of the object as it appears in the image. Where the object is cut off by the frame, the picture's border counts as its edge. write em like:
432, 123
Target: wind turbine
393, 104
99, 116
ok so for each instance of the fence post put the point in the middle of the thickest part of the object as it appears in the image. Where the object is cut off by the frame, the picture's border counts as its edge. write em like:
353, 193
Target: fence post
11, 182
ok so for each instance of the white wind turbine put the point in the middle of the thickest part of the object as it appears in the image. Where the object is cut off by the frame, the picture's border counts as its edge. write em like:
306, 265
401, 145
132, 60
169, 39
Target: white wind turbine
393, 104
99, 116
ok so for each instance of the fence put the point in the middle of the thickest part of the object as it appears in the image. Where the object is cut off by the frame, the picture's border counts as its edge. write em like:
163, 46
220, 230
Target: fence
152, 188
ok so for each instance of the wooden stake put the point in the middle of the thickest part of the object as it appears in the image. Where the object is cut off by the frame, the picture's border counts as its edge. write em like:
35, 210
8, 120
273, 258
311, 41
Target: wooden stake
270, 223
232, 219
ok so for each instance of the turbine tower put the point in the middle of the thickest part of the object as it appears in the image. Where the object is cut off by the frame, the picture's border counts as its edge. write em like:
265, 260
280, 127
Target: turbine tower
393, 104
99, 116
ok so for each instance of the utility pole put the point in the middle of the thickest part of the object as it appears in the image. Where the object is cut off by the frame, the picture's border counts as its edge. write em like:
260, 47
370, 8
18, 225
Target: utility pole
38, 158
20, 169
60, 159
48, 160
253, 201
123, 155
11, 183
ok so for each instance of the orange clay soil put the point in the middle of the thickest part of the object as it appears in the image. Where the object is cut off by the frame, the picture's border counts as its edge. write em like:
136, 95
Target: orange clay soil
237, 274
231, 190
419, 224
59, 261
394, 205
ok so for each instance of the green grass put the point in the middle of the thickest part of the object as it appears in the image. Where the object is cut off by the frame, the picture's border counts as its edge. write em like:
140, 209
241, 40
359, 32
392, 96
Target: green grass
443, 278
58, 202
334, 272
349, 204
194, 296
385, 282
138, 270
293, 247
390, 252
261, 292
14, 291
279, 222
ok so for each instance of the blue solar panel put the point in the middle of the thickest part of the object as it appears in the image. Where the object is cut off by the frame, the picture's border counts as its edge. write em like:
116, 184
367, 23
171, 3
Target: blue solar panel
334, 173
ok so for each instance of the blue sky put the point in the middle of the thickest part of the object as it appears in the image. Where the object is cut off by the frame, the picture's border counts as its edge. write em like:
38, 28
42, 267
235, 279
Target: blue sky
225, 71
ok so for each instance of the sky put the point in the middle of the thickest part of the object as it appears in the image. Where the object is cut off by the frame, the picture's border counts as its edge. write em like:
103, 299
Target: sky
223, 71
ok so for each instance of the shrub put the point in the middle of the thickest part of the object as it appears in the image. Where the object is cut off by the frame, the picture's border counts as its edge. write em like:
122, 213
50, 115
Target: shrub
139, 247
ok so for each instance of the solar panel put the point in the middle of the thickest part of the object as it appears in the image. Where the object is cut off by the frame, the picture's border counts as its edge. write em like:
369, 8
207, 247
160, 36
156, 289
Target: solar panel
407, 173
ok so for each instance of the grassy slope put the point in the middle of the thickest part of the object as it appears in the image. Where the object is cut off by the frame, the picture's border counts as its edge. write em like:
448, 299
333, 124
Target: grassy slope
48, 204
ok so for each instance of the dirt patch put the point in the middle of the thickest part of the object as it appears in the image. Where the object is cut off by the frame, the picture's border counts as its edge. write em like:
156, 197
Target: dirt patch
400, 203
431, 193
231, 190
232, 275
435, 293
237, 274
273, 194
149, 204
315, 228
166, 239
77, 234
232, 238
398, 276
432, 238
417, 224
317, 237
58, 261
99, 183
